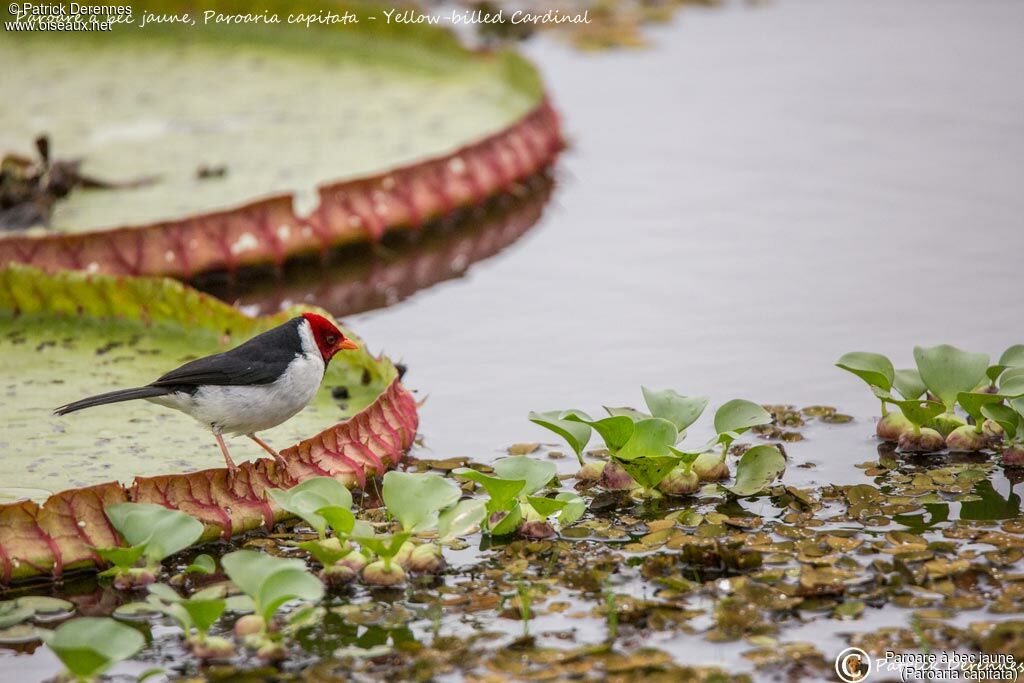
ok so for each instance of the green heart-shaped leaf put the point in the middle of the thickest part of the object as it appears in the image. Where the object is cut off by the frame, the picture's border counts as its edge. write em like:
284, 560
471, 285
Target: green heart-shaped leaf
545, 507
461, 519
681, 411
535, 473
575, 433
873, 368
757, 468
908, 383
501, 491
651, 437
1005, 416
648, 471
574, 508
311, 495
947, 371
739, 415
415, 499
615, 430
88, 646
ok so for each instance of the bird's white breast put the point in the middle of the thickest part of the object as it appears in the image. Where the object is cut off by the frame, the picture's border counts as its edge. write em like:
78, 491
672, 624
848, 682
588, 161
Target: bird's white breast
250, 409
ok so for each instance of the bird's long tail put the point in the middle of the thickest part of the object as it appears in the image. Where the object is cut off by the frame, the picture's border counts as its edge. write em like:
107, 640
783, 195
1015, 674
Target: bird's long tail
112, 397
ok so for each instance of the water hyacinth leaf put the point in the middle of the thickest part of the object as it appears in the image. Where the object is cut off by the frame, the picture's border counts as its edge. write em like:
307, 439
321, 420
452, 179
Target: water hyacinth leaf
574, 508
202, 564
501, 491
535, 473
907, 382
947, 370
873, 368
688, 457
1012, 382
509, 521
415, 499
384, 545
682, 411
256, 575
284, 586
303, 500
614, 431
757, 468
326, 552
739, 415
163, 531
164, 592
652, 437
648, 471
575, 433
338, 518
546, 507
462, 518
625, 411
1013, 357
1005, 416
123, 558
90, 645
919, 411
204, 613
972, 402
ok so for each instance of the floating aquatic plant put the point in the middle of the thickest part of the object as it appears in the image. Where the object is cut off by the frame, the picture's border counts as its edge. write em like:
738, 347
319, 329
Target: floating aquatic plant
512, 504
270, 582
953, 378
152, 533
88, 646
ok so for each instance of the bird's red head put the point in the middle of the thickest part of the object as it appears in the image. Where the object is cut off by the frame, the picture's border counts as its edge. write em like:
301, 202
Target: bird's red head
328, 337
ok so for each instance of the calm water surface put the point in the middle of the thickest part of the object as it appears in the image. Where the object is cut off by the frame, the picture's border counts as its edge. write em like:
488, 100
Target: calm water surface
763, 190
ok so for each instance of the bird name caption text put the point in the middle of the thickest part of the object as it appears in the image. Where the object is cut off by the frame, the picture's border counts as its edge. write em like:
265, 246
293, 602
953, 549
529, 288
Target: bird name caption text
76, 16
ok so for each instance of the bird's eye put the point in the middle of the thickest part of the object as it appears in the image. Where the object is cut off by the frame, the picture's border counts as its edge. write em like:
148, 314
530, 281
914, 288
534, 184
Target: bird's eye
331, 339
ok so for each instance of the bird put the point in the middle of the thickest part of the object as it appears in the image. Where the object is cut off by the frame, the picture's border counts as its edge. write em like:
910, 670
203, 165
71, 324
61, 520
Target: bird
245, 390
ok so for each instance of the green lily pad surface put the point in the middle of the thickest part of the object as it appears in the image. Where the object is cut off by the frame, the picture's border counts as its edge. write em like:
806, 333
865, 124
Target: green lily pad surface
274, 109
67, 336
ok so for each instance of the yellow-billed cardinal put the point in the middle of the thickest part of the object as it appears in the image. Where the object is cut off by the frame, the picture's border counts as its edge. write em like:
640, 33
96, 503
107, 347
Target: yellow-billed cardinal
252, 387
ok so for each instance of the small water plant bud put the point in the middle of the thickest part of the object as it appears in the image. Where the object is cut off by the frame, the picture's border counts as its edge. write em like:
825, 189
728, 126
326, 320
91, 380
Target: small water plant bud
355, 561
337, 575
890, 427
249, 625
426, 559
928, 441
134, 578
967, 439
271, 651
591, 472
992, 429
404, 552
711, 467
614, 478
212, 648
680, 482
536, 530
379, 574
945, 424
1013, 456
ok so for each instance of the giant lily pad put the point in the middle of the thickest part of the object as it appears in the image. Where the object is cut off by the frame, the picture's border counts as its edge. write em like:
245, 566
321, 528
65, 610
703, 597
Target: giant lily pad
325, 135
70, 335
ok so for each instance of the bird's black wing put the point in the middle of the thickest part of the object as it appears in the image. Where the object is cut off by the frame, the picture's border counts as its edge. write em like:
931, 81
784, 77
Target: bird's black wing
261, 360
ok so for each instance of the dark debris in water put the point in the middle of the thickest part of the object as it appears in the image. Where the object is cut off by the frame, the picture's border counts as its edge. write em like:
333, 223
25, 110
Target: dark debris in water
922, 552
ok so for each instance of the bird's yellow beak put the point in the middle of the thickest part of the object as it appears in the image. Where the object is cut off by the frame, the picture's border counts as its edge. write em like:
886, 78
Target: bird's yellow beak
348, 345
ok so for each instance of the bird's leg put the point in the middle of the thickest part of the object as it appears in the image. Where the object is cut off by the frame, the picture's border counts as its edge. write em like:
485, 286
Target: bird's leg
265, 446
232, 467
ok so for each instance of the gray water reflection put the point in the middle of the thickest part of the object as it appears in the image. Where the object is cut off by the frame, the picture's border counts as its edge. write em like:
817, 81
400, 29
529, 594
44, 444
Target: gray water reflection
760, 192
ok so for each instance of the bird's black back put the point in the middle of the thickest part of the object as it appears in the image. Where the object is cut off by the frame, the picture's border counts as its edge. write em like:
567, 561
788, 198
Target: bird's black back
261, 360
